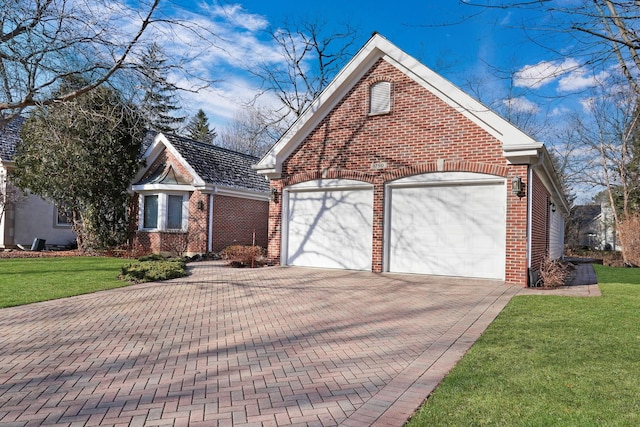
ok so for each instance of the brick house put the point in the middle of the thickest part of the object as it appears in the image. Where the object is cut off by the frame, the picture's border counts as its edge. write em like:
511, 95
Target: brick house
394, 169
193, 197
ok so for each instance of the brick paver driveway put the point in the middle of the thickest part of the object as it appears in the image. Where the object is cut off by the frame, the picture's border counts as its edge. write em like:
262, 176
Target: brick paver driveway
270, 346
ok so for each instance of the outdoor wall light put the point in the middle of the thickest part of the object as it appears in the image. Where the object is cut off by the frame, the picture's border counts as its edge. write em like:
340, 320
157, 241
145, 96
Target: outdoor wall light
273, 196
517, 187
200, 205
553, 206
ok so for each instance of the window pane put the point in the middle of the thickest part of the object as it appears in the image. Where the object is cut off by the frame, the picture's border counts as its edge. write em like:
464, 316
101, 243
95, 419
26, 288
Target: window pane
174, 212
63, 218
150, 212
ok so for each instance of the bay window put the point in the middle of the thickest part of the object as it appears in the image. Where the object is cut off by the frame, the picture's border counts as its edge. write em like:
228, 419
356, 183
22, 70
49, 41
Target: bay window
164, 212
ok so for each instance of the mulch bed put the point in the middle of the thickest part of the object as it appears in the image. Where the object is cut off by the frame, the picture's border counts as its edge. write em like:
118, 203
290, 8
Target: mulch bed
16, 253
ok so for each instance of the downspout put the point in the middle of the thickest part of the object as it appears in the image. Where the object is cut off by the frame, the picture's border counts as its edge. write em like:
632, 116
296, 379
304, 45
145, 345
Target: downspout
210, 233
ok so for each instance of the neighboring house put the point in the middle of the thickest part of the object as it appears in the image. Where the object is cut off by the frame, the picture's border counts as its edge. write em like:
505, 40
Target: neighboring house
394, 169
193, 197
26, 217
592, 226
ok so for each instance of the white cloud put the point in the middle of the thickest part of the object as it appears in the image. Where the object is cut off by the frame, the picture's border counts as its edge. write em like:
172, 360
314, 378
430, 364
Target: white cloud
568, 73
580, 79
542, 73
521, 104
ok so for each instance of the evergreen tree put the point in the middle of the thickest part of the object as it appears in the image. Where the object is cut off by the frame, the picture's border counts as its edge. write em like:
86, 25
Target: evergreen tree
198, 128
82, 155
158, 104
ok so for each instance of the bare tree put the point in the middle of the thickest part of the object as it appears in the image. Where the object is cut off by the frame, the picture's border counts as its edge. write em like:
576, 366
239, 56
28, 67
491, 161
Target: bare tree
312, 56
248, 133
608, 136
44, 41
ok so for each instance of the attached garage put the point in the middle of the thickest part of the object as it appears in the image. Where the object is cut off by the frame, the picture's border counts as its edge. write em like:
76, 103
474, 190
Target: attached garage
328, 223
448, 223
394, 169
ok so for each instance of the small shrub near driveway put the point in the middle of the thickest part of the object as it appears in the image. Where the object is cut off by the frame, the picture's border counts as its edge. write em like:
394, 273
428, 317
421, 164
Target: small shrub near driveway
153, 268
244, 256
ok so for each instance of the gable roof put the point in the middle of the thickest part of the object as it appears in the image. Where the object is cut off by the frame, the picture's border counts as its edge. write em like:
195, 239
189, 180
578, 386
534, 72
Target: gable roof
10, 138
210, 166
517, 146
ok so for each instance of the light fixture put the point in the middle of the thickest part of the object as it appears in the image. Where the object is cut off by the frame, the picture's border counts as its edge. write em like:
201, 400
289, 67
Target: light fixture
553, 206
200, 205
273, 196
517, 187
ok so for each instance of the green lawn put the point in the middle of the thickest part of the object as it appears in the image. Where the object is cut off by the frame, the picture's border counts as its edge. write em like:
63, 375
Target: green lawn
23, 281
550, 361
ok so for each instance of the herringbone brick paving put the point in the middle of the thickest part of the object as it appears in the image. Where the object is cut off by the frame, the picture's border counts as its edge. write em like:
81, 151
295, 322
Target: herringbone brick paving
242, 347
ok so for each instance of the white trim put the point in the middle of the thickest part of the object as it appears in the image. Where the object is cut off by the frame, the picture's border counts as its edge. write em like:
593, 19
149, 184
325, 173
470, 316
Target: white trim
161, 220
329, 184
446, 178
210, 232
146, 188
234, 192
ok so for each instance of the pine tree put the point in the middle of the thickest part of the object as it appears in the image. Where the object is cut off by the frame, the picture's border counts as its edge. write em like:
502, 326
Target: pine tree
198, 128
159, 99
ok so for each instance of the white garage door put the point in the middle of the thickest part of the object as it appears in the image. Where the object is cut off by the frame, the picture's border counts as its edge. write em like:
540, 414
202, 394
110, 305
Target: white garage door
328, 223
450, 224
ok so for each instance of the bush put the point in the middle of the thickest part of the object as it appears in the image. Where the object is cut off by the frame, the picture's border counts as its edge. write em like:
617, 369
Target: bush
629, 233
153, 268
553, 272
244, 256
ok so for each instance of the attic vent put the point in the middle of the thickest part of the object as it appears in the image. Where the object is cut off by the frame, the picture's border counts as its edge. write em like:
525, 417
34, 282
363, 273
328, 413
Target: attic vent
380, 98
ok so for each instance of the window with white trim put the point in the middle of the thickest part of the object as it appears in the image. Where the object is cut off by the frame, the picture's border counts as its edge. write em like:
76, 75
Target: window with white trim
150, 210
380, 98
164, 212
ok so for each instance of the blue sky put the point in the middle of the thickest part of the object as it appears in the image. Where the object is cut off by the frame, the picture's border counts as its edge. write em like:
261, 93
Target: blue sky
484, 51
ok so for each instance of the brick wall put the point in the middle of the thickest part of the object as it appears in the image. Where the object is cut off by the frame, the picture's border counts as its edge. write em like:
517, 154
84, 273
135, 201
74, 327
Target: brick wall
421, 134
235, 219
539, 222
516, 260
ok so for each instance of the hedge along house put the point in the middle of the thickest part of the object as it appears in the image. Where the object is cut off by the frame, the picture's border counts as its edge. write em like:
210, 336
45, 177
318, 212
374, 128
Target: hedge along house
394, 169
194, 198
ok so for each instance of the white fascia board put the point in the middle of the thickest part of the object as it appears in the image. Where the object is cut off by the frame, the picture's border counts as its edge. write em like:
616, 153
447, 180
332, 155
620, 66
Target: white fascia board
233, 192
146, 188
149, 157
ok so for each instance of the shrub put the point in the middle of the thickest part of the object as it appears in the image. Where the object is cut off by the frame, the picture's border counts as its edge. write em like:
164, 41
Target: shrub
244, 256
629, 233
553, 272
152, 269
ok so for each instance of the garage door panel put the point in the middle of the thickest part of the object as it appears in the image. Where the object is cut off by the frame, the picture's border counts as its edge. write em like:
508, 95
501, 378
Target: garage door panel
330, 229
456, 230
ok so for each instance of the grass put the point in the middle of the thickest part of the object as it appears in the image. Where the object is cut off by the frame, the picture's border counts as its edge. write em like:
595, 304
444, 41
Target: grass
28, 280
550, 360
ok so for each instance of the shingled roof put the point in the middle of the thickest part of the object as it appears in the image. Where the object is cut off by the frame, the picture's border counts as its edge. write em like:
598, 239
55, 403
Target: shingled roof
219, 166
10, 138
